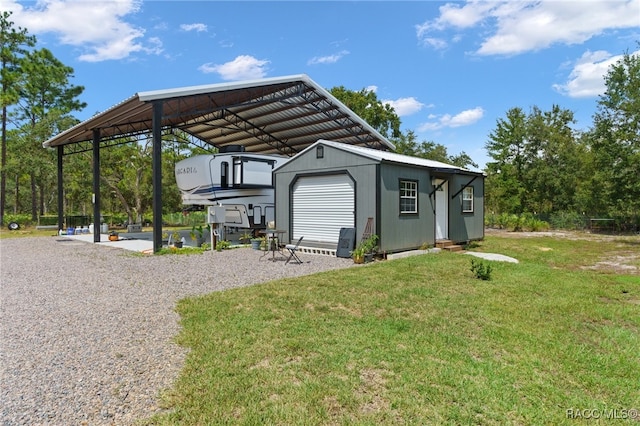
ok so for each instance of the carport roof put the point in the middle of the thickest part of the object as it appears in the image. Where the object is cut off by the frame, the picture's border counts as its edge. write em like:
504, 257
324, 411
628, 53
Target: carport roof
282, 115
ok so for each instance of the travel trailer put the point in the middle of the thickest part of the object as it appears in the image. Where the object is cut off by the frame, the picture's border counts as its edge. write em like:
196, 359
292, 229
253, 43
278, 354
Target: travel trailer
241, 182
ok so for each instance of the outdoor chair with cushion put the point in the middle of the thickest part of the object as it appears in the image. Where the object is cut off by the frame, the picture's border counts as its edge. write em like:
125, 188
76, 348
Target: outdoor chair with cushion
292, 250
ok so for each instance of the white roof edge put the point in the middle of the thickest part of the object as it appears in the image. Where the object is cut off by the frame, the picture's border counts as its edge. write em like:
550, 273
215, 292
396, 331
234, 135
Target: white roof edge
47, 143
375, 154
197, 90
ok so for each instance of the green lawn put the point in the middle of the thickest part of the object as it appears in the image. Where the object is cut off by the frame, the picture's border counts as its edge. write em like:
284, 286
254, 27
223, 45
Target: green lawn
24, 232
420, 340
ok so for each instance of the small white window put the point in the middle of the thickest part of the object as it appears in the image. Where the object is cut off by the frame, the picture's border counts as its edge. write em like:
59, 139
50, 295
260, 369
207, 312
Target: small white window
467, 200
408, 197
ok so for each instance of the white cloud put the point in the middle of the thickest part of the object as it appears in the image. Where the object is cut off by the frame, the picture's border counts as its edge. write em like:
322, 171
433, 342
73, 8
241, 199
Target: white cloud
435, 43
520, 26
464, 118
339, 43
452, 15
154, 46
405, 106
98, 29
330, 59
160, 26
244, 67
587, 77
194, 27
372, 88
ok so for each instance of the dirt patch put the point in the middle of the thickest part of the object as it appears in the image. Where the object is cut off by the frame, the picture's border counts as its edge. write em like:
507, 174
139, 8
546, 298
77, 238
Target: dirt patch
619, 263
572, 235
512, 234
624, 260
372, 391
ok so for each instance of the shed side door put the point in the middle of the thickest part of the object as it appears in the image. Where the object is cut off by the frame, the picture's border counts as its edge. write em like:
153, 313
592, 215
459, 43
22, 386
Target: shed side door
442, 211
321, 206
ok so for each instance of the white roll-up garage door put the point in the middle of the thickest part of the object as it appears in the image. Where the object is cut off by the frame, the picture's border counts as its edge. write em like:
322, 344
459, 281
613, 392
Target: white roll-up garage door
321, 206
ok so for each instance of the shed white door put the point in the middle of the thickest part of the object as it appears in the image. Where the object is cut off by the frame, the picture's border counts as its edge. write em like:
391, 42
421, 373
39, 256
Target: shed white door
442, 210
321, 206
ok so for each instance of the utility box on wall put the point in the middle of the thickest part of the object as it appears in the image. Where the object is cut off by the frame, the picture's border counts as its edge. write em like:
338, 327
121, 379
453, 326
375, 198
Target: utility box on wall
216, 214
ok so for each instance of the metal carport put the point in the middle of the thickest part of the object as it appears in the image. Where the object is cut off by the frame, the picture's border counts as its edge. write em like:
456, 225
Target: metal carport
274, 115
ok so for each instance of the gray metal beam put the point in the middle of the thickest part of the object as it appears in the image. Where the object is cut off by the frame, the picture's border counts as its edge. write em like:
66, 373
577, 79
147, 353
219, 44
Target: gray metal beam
96, 185
156, 166
60, 189
260, 133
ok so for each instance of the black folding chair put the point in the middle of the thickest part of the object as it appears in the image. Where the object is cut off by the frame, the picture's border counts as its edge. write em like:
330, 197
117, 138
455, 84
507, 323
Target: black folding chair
292, 249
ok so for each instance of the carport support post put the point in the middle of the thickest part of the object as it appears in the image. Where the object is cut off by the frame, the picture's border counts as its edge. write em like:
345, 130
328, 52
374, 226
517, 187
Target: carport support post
96, 186
156, 166
60, 189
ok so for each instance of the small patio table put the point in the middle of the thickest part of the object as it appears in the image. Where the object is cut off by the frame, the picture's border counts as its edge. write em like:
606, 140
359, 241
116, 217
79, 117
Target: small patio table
274, 236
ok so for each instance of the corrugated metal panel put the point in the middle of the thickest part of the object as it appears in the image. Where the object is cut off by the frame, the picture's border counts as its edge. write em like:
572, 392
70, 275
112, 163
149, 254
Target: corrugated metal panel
283, 115
321, 206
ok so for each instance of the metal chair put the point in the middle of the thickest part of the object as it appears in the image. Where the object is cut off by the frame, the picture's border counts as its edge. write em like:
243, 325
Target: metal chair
292, 250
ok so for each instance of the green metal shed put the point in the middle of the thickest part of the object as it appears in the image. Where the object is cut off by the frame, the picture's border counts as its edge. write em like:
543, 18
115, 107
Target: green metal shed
408, 202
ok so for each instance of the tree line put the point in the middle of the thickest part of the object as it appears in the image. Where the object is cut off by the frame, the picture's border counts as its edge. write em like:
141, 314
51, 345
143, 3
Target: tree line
539, 164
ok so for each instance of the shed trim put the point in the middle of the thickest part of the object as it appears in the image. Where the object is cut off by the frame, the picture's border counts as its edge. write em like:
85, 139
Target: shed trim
392, 157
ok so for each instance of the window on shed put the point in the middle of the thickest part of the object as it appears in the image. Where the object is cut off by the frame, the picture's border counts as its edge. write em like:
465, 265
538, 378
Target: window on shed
467, 200
408, 197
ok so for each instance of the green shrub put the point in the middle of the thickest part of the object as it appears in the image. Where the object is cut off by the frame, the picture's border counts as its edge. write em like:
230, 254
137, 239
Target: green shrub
509, 221
626, 222
513, 222
571, 221
181, 219
115, 218
502, 220
517, 223
20, 219
425, 246
48, 220
182, 251
481, 270
529, 222
222, 245
491, 220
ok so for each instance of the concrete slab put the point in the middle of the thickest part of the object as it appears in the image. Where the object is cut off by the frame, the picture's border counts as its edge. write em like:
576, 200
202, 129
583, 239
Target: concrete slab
493, 256
400, 255
143, 241
125, 243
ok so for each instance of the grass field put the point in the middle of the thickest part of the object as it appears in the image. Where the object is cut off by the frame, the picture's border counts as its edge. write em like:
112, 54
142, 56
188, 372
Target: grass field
551, 340
26, 232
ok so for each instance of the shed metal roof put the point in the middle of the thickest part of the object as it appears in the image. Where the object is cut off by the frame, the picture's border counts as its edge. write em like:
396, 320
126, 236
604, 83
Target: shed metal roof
393, 157
282, 115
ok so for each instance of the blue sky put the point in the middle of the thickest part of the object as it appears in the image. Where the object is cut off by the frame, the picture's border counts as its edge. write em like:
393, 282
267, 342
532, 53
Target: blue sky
450, 69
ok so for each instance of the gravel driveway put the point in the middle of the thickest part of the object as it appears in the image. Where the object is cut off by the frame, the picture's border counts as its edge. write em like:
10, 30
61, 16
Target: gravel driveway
86, 331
